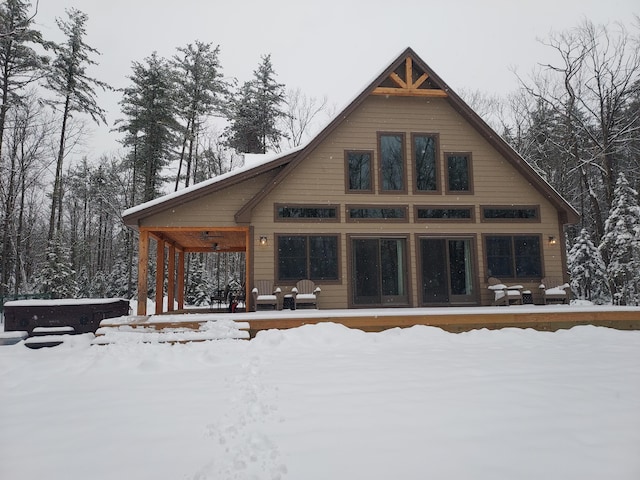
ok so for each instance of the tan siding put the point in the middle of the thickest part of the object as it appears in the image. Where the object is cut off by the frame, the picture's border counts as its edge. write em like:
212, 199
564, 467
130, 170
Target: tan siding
214, 209
320, 180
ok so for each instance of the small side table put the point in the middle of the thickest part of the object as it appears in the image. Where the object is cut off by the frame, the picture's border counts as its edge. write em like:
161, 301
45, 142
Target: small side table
288, 302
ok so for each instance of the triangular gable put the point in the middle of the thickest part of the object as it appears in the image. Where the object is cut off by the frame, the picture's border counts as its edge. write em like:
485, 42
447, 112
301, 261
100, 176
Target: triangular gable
409, 75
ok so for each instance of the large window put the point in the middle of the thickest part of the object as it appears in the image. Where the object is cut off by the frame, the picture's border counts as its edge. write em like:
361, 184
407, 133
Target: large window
445, 213
517, 256
359, 172
313, 257
459, 172
392, 170
426, 162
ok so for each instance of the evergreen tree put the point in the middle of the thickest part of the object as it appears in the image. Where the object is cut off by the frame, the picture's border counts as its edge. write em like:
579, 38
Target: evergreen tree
150, 126
74, 91
587, 271
57, 276
200, 93
256, 112
620, 245
199, 285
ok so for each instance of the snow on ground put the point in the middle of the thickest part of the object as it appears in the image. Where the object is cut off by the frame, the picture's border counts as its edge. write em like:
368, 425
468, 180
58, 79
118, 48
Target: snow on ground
326, 402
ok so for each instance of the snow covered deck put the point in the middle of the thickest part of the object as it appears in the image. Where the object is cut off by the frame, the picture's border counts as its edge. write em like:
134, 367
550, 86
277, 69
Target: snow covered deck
545, 318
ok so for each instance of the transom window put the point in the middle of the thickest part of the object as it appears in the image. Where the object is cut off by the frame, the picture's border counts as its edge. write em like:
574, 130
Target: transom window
513, 256
313, 257
376, 213
459, 172
530, 213
445, 213
306, 213
359, 171
392, 169
425, 157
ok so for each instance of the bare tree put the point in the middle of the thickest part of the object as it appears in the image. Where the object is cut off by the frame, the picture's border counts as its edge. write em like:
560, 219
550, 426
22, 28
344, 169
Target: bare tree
301, 112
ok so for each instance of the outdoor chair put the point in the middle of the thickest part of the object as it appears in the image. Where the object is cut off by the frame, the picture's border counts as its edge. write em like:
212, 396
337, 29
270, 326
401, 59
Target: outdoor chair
554, 290
505, 294
306, 293
265, 295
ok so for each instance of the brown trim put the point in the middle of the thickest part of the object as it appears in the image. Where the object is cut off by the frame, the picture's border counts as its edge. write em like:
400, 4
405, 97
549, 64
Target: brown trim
371, 170
537, 219
477, 297
414, 164
276, 258
403, 141
349, 207
512, 235
472, 208
469, 156
276, 218
143, 270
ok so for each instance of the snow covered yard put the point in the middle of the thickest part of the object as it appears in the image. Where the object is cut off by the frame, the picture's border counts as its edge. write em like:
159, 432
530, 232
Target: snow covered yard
323, 401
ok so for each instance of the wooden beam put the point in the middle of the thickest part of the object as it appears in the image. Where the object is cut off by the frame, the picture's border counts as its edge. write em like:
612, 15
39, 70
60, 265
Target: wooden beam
180, 280
413, 92
171, 283
159, 275
396, 78
408, 66
143, 269
420, 81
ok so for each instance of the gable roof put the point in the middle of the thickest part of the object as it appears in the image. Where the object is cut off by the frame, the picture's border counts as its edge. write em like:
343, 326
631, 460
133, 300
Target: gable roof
407, 75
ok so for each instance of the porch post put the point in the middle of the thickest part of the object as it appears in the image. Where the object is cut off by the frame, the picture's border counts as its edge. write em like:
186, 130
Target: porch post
171, 284
143, 268
159, 275
180, 279
248, 284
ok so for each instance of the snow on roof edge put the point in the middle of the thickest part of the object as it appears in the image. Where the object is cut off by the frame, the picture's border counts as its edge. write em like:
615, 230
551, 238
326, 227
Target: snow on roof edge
255, 163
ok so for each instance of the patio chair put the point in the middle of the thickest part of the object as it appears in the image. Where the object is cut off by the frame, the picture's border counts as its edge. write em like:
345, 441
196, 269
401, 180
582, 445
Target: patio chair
554, 290
306, 293
264, 294
505, 294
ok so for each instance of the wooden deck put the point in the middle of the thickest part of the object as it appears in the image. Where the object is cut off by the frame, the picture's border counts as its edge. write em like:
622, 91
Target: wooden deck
458, 319
543, 318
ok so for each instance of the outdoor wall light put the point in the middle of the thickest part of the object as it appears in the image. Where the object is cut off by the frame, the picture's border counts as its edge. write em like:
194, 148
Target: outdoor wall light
263, 240
552, 240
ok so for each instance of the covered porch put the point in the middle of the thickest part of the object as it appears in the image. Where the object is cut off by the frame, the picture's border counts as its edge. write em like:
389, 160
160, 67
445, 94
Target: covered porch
171, 246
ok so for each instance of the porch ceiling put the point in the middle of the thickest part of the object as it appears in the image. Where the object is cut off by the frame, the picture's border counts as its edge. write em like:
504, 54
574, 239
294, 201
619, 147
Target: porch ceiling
203, 239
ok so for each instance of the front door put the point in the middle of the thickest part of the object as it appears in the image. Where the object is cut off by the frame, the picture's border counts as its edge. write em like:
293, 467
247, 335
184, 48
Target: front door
379, 271
447, 271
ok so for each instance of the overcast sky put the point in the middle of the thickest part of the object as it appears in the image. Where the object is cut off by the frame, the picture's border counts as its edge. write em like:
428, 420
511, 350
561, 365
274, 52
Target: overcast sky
330, 47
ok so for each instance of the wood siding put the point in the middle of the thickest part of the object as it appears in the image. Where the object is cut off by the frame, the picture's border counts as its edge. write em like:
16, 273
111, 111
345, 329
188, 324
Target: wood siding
320, 180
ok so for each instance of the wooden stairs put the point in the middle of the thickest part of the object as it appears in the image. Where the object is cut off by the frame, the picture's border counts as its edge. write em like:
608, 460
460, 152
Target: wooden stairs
169, 329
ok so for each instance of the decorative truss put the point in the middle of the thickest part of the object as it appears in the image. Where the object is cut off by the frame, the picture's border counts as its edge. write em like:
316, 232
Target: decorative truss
409, 80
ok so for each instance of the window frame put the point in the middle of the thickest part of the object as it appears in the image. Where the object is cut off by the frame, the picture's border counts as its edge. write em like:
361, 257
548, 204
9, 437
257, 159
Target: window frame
469, 156
350, 207
404, 189
471, 208
437, 166
277, 218
484, 219
372, 168
326, 281
514, 265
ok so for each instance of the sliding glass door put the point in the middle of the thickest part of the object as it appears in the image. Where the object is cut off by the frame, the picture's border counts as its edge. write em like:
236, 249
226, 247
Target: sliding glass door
447, 271
379, 271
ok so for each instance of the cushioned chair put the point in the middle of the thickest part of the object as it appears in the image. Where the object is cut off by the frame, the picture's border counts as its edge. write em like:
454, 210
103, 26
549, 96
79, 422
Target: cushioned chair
554, 290
265, 295
306, 293
505, 294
